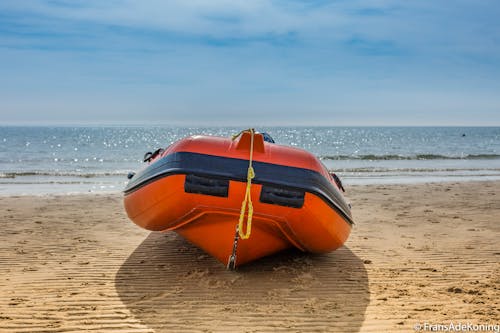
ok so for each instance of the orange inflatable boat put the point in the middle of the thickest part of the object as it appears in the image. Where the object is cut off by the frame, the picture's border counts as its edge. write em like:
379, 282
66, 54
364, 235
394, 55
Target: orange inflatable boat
240, 199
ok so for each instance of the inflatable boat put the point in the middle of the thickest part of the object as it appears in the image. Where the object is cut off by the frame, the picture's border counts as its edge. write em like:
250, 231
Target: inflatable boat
240, 198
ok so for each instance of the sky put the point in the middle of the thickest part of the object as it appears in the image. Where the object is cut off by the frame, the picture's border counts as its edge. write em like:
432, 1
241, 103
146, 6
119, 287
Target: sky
240, 62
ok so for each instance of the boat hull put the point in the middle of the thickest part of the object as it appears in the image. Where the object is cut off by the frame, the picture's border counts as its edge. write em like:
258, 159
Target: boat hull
199, 196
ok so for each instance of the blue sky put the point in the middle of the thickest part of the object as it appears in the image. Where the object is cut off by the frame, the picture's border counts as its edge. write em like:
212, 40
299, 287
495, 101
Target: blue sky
231, 62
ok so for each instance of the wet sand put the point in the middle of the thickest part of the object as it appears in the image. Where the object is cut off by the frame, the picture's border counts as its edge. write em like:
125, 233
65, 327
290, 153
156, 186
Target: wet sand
418, 253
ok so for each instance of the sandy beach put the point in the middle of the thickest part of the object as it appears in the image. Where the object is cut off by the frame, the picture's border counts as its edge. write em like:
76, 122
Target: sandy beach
418, 254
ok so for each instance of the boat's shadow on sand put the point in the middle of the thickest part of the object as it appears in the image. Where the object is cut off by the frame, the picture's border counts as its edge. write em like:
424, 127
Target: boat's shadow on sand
170, 285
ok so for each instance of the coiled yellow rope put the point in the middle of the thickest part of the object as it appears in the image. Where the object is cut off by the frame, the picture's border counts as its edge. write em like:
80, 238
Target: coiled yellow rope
247, 201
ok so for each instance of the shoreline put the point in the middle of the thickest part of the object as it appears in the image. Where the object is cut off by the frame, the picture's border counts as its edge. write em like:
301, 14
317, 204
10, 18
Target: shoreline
423, 253
51, 189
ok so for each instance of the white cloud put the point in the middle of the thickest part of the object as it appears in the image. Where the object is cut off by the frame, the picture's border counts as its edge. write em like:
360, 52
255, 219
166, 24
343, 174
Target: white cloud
342, 56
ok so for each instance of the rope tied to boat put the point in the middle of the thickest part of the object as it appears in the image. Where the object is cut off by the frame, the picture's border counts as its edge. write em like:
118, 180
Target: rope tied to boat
247, 205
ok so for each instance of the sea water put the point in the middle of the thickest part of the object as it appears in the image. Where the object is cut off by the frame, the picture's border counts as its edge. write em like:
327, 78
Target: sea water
39, 160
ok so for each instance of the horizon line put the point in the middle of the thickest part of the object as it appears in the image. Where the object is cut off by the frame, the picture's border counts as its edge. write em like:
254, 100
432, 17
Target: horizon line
138, 124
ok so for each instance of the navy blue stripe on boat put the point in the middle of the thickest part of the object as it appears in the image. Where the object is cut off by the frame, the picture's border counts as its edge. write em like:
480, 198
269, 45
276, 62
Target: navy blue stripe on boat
219, 167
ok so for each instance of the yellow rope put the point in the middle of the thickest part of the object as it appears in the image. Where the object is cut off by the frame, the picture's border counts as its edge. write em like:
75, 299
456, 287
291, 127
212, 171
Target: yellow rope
247, 201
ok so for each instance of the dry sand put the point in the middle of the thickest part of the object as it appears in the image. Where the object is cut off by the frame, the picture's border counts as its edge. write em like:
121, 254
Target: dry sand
419, 253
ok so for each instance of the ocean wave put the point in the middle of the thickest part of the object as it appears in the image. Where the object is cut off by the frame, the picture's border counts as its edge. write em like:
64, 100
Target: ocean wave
48, 182
372, 157
10, 175
417, 170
